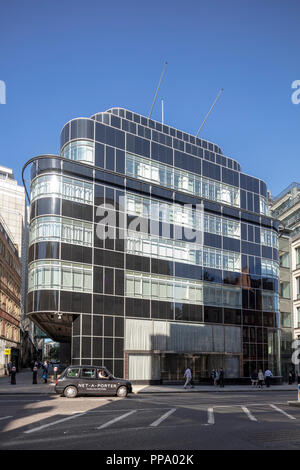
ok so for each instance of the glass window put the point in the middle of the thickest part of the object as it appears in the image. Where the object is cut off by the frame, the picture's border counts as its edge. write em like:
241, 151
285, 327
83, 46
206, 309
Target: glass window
142, 168
88, 373
284, 260
61, 229
57, 185
298, 286
56, 274
73, 372
297, 257
80, 151
286, 319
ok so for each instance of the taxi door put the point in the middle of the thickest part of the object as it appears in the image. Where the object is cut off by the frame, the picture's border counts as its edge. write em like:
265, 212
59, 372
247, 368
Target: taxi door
106, 385
88, 381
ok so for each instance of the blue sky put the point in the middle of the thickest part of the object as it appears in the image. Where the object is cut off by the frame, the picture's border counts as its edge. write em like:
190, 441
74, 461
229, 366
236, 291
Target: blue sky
69, 58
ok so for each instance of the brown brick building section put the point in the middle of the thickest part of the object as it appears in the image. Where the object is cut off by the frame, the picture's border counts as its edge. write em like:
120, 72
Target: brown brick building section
10, 301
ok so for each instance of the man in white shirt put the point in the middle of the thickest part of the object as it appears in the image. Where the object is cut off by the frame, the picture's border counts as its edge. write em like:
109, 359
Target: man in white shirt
188, 377
268, 375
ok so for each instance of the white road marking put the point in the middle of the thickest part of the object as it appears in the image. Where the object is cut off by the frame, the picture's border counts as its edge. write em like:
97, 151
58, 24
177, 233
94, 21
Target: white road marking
53, 423
118, 410
283, 412
250, 415
211, 417
6, 417
116, 419
163, 417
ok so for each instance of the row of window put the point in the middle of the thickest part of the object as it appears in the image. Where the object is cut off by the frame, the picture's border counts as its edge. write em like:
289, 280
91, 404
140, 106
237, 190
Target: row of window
164, 175
9, 331
58, 185
56, 228
179, 290
165, 212
139, 243
60, 275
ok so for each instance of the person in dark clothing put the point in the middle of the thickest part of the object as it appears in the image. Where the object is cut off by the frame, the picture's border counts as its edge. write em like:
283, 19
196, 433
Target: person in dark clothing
9, 366
45, 371
212, 377
254, 378
293, 376
34, 375
290, 378
13, 375
221, 377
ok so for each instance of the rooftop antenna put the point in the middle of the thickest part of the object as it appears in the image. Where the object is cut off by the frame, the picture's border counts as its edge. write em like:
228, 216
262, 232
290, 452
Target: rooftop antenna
218, 96
163, 72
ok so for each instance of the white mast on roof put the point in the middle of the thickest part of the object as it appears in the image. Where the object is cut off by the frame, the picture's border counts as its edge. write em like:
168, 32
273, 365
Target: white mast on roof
166, 63
218, 96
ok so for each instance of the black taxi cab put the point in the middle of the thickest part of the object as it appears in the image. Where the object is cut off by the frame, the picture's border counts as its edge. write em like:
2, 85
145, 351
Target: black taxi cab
90, 380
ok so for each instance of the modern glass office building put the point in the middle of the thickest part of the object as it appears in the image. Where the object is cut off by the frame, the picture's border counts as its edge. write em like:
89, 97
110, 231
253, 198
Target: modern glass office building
150, 250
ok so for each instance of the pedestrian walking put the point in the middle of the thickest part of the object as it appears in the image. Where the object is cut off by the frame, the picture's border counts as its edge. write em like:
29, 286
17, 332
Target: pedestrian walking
34, 375
254, 378
268, 375
217, 375
221, 377
188, 376
290, 378
212, 376
293, 376
45, 371
260, 378
13, 375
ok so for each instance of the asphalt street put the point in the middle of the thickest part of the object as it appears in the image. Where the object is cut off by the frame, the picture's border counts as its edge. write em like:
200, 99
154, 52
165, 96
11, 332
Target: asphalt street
248, 420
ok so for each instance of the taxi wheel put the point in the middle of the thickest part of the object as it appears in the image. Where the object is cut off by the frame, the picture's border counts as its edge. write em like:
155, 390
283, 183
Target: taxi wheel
122, 391
70, 392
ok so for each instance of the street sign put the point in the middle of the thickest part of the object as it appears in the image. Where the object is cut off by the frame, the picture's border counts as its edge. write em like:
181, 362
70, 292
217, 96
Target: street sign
7, 352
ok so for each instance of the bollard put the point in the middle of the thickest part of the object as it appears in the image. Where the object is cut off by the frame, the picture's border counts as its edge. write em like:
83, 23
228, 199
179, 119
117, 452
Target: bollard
13, 375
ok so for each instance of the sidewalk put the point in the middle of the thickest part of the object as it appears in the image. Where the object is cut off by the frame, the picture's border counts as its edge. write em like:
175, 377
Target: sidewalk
24, 386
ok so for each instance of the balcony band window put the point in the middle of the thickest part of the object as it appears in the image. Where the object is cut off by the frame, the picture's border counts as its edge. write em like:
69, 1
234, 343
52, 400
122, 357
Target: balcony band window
263, 206
62, 186
62, 275
173, 289
181, 215
269, 268
139, 243
164, 175
53, 228
268, 238
80, 151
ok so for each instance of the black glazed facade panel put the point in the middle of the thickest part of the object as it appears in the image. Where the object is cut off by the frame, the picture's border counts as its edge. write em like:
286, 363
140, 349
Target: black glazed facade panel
47, 206
46, 300
44, 165
44, 250
77, 169
76, 210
